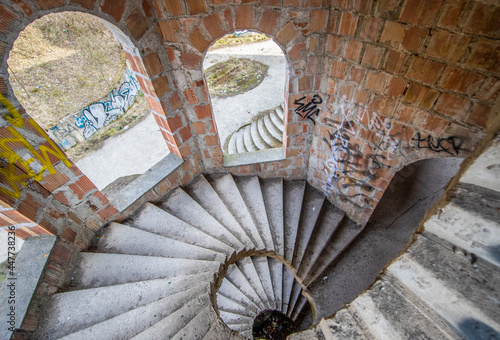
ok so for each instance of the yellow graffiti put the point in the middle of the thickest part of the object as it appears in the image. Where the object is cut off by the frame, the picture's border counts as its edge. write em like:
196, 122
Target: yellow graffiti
15, 162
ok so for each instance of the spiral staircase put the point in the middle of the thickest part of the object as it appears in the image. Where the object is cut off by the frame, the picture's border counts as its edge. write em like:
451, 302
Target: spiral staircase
205, 261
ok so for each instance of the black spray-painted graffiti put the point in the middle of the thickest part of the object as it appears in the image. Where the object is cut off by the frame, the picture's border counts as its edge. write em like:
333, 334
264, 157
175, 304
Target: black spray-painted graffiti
451, 145
101, 114
310, 109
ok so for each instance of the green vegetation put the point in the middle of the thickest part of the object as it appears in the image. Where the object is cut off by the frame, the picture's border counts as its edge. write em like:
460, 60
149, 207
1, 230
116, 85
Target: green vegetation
235, 76
234, 40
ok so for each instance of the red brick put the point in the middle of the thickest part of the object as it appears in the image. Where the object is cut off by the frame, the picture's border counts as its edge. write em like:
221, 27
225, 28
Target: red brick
485, 55
175, 100
361, 6
353, 50
338, 69
68, 235
244, 17
313, 65
383, 104
460, 80
29, 208
174, 123
199, 128
319, 20
420, 12
313, 3
153, 64
357, 74
185, 133
377, 81
348, 24
490, 90
88, 4
385, 6
137, 24
196, 6
451, 105
396, 87
370, 28
373, 56
229, 19
425, 70
160, 85
174, 7
334, 44
203, 111
198, 40
286, 34
423, 96
190, 60
16, 216
169, 29
435, 124
479, 115
392, 34
484, 20
305, 83
267, 23
47, 4
213, 25
448, 46
395, 62
414, 38
107, 213
190, 96
212, 140
6, 18
297, 52
451, 13
115, 8
405, 113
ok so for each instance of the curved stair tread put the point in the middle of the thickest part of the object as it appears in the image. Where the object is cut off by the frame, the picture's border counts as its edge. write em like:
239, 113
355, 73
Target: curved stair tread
299, 307
276, 269
230, 291
138, 320
240, 141
199, 326
262, 266
251, 273
266, 135
98, 269
259, 142
312, 207
175, 323
121, 239
207, 197
247, 138
183, 206
279, 112
288, 281
294, 297
235, 319
272, 193
277, 121
272, 129
103, 303
239, 280
228, 305
227, 190
218, 331
231, 147
156, 220
294, 194
251, 192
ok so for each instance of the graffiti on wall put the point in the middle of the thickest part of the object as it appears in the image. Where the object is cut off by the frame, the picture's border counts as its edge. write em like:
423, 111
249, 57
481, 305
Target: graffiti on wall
19, 169
78, 127
310, 109
353, 168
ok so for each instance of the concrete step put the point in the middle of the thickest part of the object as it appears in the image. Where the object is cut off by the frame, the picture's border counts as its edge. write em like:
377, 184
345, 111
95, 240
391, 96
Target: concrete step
181, 205
262, 266
336, 245
121, 239
276, 269
247, 138
156, 220
299, 307
310, 334
312, 207
288, 280
466, 318
266, 135
292, 206
277, 121
272, 129
240, 141
176, 322
231, 146
251, 192
98, 269
131, 324
233, 293
219, 331
279, 111
246, 334
228, 305
247, 267
294, 297
342, 326
272, 193
235, 319
228, 191
198, 326
103, 303
259, 142
326, 226
207, 197
239, 280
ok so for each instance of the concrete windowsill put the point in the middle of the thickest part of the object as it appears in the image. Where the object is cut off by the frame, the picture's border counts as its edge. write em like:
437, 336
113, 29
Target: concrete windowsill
261, 156
145, 182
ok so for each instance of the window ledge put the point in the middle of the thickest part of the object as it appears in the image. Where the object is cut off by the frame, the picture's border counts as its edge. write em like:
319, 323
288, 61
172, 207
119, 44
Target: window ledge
261, 156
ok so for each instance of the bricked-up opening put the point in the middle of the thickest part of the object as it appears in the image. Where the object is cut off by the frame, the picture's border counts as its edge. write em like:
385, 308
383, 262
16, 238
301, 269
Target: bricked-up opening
71, 74
246, 74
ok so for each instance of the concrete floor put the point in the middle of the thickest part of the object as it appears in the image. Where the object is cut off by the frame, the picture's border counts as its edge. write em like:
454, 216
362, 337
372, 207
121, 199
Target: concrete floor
233, 112
411, 193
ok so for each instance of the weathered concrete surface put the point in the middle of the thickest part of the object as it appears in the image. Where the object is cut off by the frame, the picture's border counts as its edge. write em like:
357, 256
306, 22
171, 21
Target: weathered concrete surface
485, 171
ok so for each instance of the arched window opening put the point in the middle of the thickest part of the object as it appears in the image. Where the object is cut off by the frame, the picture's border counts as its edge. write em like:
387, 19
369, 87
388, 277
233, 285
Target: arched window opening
70, 73
246, 75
